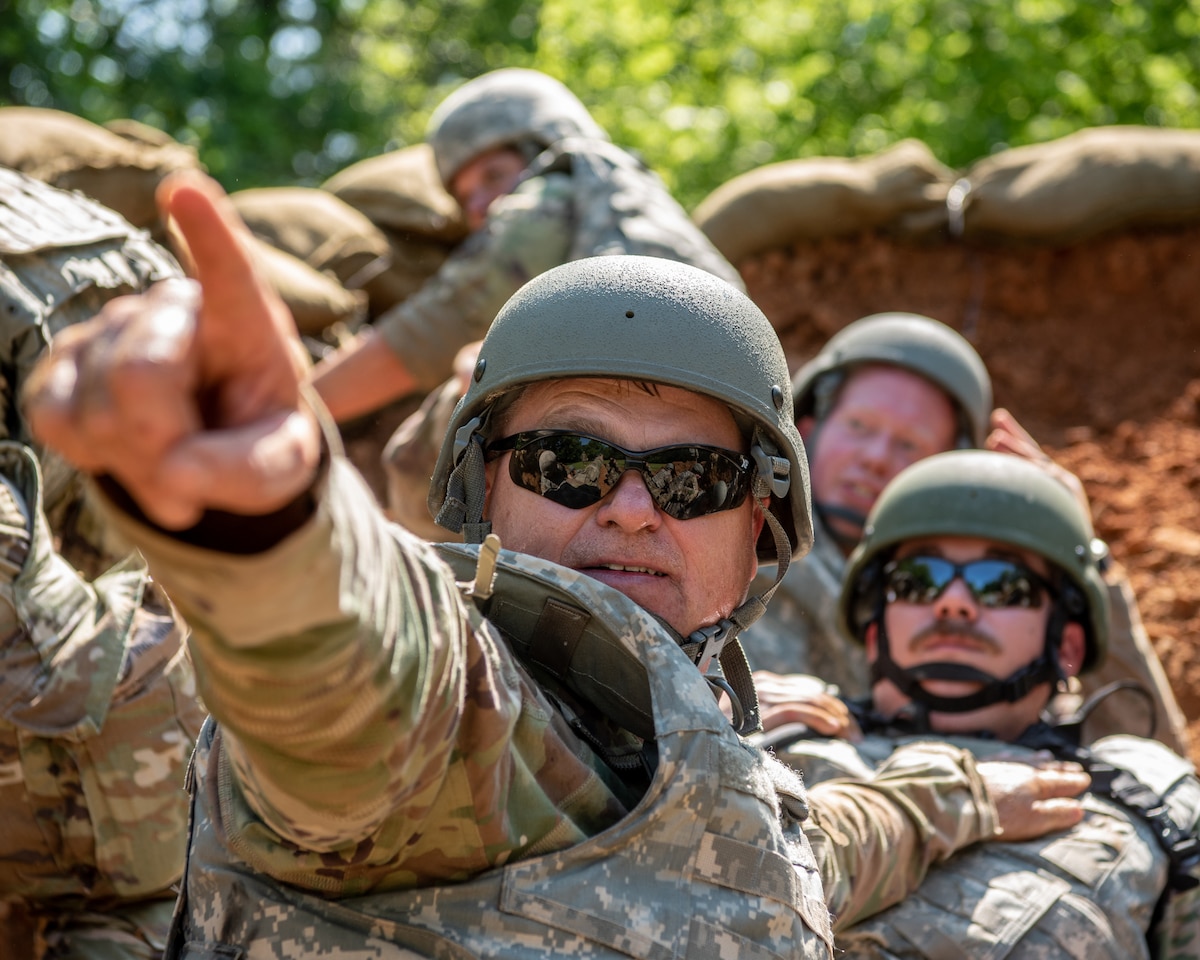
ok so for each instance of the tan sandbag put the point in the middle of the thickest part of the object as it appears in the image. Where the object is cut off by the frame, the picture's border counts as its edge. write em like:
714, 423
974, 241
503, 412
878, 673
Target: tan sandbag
414, 259
1082, 184
902, 189
401, 191
315, 226
316, 300
71, 153
137, 132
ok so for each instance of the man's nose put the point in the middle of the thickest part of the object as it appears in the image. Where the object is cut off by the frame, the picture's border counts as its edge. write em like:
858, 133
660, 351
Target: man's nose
956, 602
629, 504
475, 208
876, 451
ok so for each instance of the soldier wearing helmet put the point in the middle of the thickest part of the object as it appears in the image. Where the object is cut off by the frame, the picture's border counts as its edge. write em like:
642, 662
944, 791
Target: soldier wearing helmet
470, 750
885, 392
97, 697
976, 591
540, 184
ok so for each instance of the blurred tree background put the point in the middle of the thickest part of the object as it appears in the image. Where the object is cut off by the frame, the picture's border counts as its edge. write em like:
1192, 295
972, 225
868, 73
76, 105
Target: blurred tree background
276, 92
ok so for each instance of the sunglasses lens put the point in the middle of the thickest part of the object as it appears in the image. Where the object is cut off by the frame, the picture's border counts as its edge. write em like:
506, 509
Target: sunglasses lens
577, 471
688, 482
570, 470
1002, 583
917, 579
993, 583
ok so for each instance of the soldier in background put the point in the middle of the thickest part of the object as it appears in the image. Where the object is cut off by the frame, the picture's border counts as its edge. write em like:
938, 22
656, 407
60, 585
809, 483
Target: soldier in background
540, 184
98, 708
974, 590
885, 392
462, 750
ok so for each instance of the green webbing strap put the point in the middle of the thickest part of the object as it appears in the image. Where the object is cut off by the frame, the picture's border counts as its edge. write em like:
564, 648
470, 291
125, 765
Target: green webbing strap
462, 509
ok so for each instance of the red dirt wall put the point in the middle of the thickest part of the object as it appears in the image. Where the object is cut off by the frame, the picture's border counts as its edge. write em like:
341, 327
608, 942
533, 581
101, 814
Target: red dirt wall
1095, 348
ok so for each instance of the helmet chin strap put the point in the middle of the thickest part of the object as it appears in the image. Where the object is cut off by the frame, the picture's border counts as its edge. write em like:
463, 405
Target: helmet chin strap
720, 640
1044, 669
847, 542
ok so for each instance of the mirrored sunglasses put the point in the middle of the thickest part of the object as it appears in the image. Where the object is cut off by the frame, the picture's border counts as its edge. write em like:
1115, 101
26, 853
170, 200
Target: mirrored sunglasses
577, 471
992, 582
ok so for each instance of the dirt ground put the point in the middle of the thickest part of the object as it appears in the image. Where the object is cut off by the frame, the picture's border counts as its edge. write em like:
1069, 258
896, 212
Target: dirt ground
1095, 348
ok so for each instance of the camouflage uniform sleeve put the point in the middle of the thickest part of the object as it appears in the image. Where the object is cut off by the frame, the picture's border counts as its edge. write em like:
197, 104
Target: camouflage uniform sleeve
365, 709
875, 841
527, 233
310, 656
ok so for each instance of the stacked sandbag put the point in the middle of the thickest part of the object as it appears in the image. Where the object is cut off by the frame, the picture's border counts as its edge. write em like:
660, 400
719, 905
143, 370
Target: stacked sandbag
71, 153
1080, 185
317, 301
321, 252
401, 194
902, 190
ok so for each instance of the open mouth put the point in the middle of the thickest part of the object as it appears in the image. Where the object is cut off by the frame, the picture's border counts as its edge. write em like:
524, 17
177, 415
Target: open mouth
621, 568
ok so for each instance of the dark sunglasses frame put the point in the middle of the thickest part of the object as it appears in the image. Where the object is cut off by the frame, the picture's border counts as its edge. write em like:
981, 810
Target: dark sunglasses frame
988, 579
577, 450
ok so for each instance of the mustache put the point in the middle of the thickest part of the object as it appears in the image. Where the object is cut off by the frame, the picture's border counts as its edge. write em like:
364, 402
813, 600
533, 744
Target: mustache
953, 628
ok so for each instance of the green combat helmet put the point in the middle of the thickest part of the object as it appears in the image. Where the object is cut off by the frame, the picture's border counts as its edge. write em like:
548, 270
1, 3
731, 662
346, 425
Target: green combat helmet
650, 320
993, 496
524, 109
909, 341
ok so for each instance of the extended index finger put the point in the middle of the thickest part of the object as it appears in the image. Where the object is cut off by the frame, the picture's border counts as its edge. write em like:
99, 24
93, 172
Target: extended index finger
219, 251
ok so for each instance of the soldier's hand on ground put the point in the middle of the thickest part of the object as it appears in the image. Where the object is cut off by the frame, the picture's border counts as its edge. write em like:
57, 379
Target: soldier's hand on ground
1033, 799
188, 395
1008, 436
788, 699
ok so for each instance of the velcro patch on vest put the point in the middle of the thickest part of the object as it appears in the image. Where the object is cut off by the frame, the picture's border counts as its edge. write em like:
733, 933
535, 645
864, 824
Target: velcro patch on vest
745, 867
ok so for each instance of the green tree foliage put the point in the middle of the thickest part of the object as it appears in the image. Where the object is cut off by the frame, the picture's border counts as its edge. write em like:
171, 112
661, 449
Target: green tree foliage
290, 91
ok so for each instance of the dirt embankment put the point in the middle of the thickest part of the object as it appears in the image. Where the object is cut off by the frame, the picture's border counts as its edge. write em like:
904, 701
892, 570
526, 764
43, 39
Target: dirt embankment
1095, 348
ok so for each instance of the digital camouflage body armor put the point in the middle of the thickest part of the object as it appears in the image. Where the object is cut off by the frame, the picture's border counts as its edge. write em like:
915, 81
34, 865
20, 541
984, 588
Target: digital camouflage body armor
620, 206
1088, 893
710, 863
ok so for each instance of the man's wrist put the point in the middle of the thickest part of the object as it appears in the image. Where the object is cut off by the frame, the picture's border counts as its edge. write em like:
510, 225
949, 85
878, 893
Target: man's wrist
226, 532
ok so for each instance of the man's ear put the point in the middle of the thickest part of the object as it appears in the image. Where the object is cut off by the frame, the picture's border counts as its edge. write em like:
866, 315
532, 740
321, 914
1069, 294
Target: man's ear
757, 521
870, 640
805, 425
1072, 649
489, 479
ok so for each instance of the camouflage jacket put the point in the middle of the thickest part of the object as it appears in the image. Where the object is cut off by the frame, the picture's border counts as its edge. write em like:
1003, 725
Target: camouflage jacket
97, 717
581, 198
799, 633
387, 777
1087, 893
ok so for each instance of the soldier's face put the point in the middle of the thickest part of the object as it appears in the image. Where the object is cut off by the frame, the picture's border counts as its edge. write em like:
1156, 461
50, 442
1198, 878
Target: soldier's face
959, 626
490, 175
689, 572
884, 420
